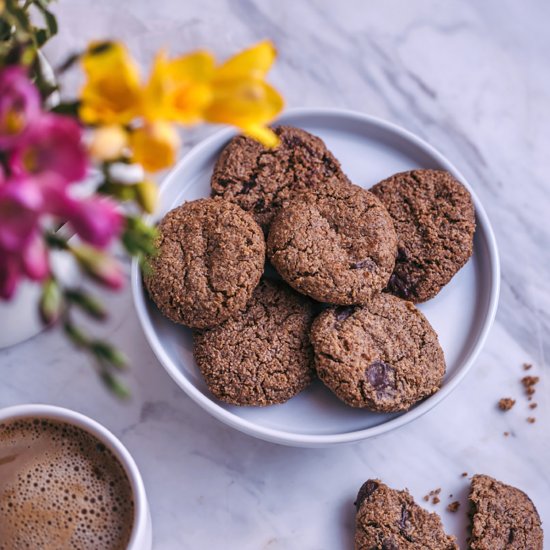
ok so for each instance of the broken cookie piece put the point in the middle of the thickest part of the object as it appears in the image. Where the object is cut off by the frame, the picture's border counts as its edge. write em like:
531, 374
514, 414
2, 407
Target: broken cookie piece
387, 519
502, 517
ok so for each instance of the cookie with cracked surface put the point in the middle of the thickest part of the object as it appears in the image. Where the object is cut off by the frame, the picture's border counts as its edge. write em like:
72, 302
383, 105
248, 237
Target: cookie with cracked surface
434, 217
383, 356
502, 517
210, 258
263, 356
336, 245
387, 519
262, 180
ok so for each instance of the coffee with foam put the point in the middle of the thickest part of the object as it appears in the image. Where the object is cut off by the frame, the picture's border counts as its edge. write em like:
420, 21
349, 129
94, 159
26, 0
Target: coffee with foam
61, 488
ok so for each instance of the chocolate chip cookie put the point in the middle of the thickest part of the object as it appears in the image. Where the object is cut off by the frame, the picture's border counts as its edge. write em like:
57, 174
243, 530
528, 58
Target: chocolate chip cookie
383, 356
387, 519
502, 517
262, 180
263, 356
336, 245
210, 258
434, 218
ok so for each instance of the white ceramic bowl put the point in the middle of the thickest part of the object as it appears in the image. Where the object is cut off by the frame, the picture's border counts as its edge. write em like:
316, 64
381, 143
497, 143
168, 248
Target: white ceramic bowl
142, 534
369, 150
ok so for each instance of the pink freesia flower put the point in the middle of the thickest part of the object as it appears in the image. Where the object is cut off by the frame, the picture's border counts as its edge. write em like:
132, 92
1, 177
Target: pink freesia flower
19, 104
51, 145
96, 220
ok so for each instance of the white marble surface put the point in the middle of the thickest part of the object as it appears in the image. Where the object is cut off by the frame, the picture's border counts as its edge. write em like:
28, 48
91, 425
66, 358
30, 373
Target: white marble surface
472, 79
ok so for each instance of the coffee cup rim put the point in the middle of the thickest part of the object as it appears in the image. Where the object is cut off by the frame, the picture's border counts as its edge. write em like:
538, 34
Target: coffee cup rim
142, 521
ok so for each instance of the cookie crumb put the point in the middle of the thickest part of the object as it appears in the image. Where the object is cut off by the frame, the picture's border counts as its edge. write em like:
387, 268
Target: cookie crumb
531, 419
527, 366
506, 434
453, 507
529, 383
464, 474
433, 495
506, 403
533, 405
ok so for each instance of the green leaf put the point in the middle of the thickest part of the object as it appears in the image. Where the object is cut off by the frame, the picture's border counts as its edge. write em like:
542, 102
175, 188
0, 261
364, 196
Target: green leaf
76, 336
87, 303
68, 63
114, 384
67, 108
106, 352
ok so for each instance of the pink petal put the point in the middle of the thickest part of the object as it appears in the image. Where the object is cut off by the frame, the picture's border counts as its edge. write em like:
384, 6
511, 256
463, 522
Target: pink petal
19, 99
20, 204
34, 259
51, 145
9, 276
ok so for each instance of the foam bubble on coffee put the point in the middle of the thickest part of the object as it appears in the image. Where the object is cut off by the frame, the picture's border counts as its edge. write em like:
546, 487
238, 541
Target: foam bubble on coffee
61, 488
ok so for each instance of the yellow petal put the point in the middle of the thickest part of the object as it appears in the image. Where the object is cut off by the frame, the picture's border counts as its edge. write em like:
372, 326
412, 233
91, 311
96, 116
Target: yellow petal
155, 145
247, 105
179, 89
108, 142
111, 93
265, 135
253, 63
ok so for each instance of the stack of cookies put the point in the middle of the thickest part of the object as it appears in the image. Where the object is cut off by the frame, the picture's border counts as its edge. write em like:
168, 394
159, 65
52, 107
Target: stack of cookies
349, 264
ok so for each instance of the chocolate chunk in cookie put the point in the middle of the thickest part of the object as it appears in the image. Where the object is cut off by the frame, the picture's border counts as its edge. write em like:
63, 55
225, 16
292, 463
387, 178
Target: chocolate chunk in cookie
210, 258
434, 217
262, 180
387, 519
383, 356
262, 356
502, 517
336, 245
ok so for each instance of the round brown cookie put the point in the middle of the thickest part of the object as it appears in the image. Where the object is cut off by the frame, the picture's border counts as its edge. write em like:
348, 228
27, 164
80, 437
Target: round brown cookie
262, 356
502, 517
383, 356
262, 180
210, 258
387, 519
434, 218
336, 245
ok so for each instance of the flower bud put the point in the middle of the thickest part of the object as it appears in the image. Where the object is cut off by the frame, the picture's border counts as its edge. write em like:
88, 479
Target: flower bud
147, 195
51, 302
99, 265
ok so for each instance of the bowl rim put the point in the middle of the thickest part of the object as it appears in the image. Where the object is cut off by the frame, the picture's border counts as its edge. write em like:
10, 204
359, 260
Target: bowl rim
325, 440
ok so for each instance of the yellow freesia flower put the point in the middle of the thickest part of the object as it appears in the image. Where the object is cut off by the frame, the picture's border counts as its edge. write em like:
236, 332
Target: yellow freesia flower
154, 145
242, 98
112, 91
179, 89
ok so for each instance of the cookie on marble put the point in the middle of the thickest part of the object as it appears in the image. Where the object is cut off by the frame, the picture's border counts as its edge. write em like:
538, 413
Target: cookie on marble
383, 356
210, 258
502, 517
262, 180
336, 244
434, 217
387, 519
262, 356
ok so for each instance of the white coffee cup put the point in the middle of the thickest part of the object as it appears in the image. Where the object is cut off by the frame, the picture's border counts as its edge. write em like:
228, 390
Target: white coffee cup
142, 533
